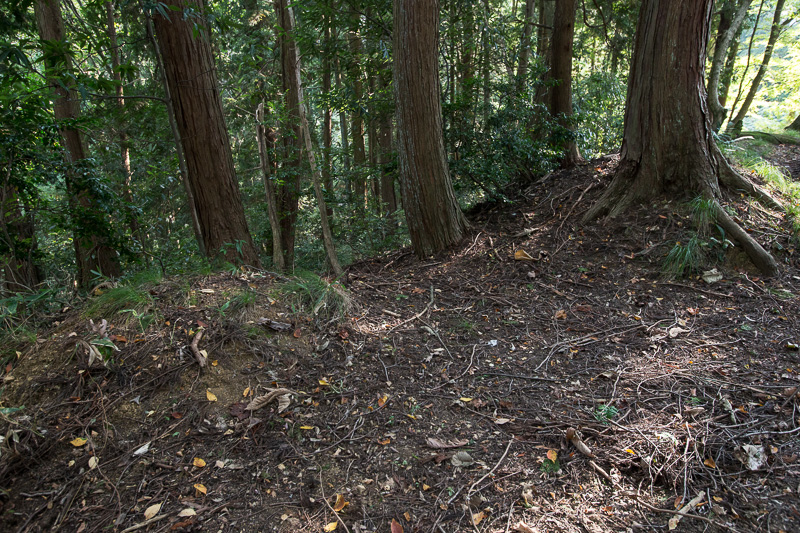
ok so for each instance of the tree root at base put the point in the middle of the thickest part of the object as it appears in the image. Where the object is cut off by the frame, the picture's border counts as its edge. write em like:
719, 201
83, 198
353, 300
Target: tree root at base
761, 258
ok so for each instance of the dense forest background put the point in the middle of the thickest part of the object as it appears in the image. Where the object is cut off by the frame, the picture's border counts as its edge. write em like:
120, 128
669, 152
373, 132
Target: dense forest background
109, 168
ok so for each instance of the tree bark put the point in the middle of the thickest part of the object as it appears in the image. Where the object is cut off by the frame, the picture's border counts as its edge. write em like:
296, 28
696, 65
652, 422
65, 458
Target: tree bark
735, 125
18, 243
434, 218
525, 45
795, 125
357, 118
388, 199
265, 138
560, 93
191, 77
93, 251
730, 22
176, 139
327, 119
668, 146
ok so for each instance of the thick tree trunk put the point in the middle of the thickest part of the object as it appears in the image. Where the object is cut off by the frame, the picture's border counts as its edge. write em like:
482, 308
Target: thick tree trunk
176, 139
731, 20
435, 220
289, 191
668, 146
191, 77
735, 125
92, 249
545, 30
795, 125
560, 95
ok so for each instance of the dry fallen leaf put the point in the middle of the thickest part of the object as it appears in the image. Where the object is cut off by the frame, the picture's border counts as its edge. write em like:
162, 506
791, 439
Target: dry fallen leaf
522, 527
710, 463
561, 315
522, 255
439, 444
78, 442
340, 503
151, 511
330, 527
198, 462
552, 455
396, 527
93, 462
211, 396
382, 400
187, 512
477, 518
200, 488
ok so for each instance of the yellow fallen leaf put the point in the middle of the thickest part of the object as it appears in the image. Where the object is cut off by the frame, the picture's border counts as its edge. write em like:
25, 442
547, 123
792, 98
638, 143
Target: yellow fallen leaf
200, 488
630, 451
199, 463
382, 400
426, 487
214, 362
151, 511
552, 455
464, 399
324, 381
340, 503
477, 518
330, 527
78, 442
306, 427
246, 392
407, 516
522, 255
211, 396
710, 463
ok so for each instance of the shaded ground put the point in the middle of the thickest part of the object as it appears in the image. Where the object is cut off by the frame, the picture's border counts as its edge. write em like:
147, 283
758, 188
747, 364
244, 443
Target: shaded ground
455, 396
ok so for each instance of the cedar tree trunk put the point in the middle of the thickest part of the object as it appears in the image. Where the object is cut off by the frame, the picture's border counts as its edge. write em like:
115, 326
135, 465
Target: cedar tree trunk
192, 80
668, 146
795, 125
92, 249
560, 94
18, 242
730, 21
434, 218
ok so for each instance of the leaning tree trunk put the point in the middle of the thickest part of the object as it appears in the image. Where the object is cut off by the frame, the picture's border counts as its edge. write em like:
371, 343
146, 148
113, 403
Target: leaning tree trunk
730, 22
735, 125
192, 79
435, 220
560, 94
668, 146
93, 252
795, 125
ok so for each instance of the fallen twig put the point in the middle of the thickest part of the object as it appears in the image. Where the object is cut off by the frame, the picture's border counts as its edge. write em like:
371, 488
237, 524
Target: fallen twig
202, 360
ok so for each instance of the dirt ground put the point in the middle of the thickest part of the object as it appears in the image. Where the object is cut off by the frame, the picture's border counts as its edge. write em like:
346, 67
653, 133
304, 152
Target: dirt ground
544, 376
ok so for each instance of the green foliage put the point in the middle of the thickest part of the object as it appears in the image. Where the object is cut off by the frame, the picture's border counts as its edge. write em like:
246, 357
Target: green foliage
683, 259
603, 413
599, 102
309, 293
130, 301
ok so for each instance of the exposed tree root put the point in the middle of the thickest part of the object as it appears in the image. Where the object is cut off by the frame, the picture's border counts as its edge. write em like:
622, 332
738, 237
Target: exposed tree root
736, 182
761, 258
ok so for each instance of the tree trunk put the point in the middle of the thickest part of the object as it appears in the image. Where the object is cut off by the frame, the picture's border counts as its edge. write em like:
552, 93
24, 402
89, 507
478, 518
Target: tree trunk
727, 71
388, 199
525, 45
486, 67
668, 146
266, 139
560, 97
795, 125
327, 120
124, 150
192, 79
357, 118
545, 30
289, 191
730, 21
176, 139
18, 244
735, 125
434, 218
92, 248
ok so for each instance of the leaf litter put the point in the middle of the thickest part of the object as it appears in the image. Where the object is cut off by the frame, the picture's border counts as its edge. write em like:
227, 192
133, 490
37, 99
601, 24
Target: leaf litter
432, 406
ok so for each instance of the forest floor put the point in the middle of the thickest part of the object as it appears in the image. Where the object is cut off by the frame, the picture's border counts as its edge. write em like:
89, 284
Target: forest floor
544, 376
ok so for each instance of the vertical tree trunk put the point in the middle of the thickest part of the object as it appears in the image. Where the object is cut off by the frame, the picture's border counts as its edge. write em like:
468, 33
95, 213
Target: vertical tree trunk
92, 249
727, 71
176, 139
735, 125
124, 150
560, 97
192, 79
486, 66
668, 146
545, 30
525, 45
731, 20
388, 199
265, 138
434, 218
356, 117
327, 119
18, 244
289, 191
